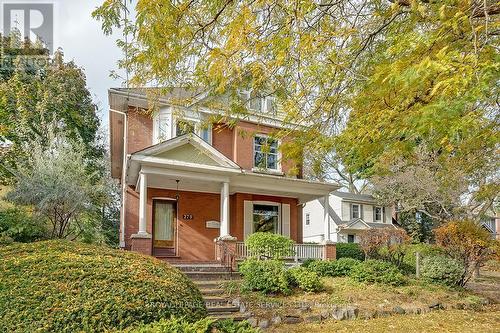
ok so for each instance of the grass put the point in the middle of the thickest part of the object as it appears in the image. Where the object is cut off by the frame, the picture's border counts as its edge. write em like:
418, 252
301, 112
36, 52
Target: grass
346, 291
438, 321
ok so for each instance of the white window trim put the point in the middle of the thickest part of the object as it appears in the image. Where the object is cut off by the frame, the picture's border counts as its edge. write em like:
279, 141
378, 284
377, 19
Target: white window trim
268, 203
308, 218
263, 105
278, 170
156, 125
197, 127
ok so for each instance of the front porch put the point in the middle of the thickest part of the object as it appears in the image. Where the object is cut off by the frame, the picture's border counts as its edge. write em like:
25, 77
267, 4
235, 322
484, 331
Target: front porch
182, 206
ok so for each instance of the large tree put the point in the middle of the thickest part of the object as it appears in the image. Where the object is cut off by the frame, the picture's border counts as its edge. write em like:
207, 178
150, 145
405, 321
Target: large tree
393, 77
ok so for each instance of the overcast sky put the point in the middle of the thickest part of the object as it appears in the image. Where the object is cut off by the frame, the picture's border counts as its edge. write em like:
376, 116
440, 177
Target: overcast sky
82, 40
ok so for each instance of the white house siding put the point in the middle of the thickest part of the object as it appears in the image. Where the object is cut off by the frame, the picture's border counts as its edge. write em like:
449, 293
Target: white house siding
346, 210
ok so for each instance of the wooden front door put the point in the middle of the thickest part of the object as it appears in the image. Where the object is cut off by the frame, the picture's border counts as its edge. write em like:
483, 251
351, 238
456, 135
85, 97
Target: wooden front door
165, 226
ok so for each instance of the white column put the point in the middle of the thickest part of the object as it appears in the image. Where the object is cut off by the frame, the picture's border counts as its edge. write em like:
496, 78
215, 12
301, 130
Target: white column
326, 218
143, 204
224, 210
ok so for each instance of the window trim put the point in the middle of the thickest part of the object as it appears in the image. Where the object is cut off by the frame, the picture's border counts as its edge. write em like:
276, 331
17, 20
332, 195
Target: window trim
352, 211
278, 155
166, 113
308, 219
197, 127
268, 203
264, 101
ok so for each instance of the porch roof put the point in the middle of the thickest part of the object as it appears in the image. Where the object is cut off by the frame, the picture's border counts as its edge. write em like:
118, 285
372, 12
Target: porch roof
200, 167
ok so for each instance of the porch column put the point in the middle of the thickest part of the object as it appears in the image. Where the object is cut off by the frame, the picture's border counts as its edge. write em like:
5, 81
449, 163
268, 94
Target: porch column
224, 210
143, 204
326, 218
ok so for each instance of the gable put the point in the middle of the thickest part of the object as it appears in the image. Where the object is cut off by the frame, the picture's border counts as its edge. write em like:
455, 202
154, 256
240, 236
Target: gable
188, 153
357, 225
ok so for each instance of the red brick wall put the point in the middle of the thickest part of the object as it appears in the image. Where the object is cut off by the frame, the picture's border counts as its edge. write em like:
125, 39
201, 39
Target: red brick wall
222, 139
140, 130
195, 241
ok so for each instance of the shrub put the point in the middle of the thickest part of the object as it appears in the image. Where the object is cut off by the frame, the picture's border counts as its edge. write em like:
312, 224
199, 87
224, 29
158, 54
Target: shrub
442, 270
349, 250
268, 276
377, 271
340, 267
410, 259
206, 325
61, 286
269, 245
467, 242
20, 226
393, 239
305, 279
306, 263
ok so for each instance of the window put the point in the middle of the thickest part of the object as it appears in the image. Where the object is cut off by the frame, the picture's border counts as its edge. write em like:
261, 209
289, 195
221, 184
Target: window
265, 218
355, 211
308, 219
162, 129
206, 134
350, 238
259, 103
184, 127
265, 153
377, 215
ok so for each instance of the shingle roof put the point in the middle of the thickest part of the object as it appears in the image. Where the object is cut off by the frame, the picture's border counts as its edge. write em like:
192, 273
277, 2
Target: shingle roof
354, 197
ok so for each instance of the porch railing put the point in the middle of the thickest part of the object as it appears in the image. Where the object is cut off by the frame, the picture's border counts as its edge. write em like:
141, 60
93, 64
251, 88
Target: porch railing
299, 252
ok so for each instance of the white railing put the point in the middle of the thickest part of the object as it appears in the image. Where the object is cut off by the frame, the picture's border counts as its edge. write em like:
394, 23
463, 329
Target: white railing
299, 252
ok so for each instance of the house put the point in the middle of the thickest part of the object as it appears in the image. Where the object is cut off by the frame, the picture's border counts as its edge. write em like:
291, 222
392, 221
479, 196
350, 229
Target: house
191, 186
492, 225
348, 215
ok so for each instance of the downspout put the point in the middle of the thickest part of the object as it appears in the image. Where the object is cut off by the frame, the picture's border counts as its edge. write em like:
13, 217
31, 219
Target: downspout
124, 183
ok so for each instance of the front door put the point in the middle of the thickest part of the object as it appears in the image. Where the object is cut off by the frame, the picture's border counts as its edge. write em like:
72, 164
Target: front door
165, 216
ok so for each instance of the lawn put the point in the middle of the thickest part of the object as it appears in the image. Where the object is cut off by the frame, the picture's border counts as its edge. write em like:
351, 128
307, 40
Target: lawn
438, 321
346, 291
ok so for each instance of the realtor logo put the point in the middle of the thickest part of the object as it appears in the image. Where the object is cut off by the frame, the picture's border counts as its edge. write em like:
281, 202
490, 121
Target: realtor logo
34, 21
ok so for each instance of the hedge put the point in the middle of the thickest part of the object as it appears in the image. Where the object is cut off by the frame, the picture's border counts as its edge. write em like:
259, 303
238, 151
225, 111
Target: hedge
61, 286
349, 250
377, 271
442, 270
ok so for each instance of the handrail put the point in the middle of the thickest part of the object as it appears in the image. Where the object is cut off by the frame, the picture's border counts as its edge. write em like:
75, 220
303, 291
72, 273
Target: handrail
225, 255
298, 251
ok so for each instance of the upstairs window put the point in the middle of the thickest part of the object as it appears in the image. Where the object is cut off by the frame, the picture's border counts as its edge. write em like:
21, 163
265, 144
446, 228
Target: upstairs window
355, 211
184, 127
258, 103
308, 219
377, 214
162, 126
265, 153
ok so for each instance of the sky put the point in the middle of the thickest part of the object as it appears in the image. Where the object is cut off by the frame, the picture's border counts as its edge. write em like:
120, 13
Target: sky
82, 40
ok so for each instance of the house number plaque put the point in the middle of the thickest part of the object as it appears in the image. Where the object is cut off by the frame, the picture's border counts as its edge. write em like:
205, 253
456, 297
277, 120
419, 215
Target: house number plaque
187, 216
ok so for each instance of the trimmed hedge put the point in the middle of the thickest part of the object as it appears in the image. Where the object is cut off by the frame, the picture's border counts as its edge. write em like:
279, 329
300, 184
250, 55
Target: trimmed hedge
207, 325
61, 286
377, 271
349, 250
269, 245
442, 270
340, 267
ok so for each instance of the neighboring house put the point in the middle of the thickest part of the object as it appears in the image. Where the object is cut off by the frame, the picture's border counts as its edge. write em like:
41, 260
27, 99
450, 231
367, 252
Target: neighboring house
349, 215
492, 224
187, 183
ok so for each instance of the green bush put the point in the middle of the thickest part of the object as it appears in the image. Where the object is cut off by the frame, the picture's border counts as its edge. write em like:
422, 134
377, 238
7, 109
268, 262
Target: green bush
349, 250
269, 245
20, 226
305, 279
268, 276
424, 249
61, 286
206, 325
442, 270
377, 271
306, 263
340, 267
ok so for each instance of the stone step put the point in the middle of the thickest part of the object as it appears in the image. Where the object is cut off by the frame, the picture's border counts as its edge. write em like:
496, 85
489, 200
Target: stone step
216, 301
202, 268
211, 276
230, 315
222, 309
211, 291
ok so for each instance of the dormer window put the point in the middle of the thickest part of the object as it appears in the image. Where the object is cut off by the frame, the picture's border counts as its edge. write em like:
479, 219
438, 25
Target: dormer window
265, 153
377, 214
355, 211
258, 103
184, 127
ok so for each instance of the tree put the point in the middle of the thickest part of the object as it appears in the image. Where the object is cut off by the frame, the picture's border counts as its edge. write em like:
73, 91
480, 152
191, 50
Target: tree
56, 182
407, 75
417, 225
52, 98
392, 239
468, 243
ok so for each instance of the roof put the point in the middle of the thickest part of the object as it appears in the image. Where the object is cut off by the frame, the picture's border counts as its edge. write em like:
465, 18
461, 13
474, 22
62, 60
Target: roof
369, 225
354, 197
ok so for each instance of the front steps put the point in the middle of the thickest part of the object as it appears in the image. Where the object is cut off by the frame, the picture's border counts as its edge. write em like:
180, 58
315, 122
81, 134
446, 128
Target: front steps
209, 278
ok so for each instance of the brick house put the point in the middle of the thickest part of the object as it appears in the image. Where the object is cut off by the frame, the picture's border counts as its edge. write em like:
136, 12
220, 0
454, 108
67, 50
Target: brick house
188, 184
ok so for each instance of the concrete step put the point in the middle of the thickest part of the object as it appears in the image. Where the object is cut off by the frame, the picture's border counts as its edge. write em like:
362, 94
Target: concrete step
222, 309
210, 276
